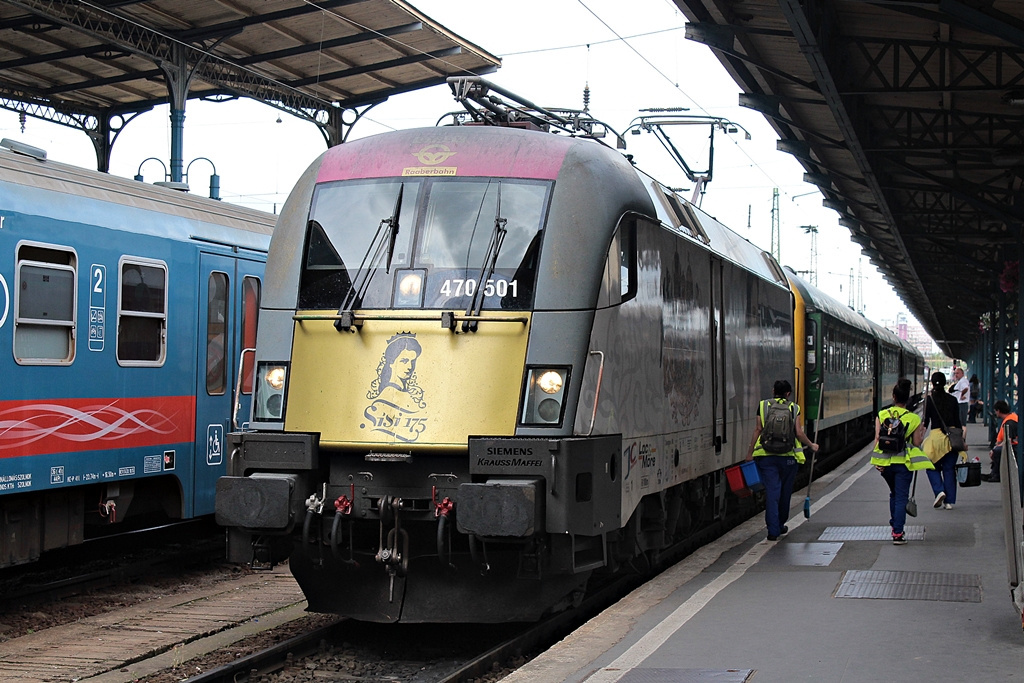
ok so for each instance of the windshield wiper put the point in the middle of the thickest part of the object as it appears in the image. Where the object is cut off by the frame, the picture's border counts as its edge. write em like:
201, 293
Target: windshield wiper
393, 226
490, 262
387, 233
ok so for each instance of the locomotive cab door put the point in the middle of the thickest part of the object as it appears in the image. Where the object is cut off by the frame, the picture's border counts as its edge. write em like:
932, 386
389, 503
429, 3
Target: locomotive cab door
228, 303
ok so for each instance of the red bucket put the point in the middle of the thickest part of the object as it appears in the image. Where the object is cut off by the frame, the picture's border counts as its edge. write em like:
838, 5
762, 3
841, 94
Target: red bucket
737, 485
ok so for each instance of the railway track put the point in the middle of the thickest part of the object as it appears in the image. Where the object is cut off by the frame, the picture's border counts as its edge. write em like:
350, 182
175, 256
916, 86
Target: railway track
116, 559
416, 653
275, 637
329, 649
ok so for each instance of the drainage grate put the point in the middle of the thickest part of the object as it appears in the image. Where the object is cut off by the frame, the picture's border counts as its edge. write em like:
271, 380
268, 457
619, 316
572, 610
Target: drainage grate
687, 676
897, 585
869, 533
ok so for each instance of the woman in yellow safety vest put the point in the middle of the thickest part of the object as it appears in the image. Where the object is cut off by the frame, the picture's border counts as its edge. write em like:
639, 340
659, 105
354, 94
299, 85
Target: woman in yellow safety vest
897, 467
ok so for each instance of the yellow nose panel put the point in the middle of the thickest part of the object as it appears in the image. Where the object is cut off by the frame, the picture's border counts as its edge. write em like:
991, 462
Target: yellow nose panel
406, 384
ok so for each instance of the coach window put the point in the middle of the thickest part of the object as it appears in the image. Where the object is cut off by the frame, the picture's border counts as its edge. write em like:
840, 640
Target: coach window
250, 315
44, 324
142, 312
216, 333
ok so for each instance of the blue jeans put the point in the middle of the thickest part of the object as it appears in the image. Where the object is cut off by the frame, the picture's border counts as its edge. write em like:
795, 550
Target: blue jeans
943, 477
898, 477
778, 472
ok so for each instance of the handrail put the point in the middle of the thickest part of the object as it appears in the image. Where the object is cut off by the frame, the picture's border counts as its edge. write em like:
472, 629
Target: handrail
237, 402
597, 391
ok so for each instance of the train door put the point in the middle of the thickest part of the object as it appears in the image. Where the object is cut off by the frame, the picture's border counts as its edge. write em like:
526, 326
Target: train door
229, 290
718, 390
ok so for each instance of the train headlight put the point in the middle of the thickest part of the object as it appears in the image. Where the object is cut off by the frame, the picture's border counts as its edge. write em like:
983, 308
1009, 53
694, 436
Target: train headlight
409, 288
544, 396
550, 382
275, 378
271, 385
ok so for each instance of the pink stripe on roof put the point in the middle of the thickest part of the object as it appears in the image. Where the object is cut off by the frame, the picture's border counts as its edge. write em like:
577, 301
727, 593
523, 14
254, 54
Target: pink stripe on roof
448, 151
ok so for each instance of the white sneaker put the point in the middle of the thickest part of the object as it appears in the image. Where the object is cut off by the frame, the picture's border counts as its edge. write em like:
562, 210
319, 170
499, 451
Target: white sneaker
939, 500
949, 506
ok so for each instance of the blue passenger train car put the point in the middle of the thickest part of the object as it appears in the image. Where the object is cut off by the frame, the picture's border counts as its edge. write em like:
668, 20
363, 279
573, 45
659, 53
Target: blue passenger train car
124, 309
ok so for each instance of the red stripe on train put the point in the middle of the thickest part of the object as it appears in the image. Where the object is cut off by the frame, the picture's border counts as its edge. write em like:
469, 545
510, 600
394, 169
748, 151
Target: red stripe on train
37, 427
437, 152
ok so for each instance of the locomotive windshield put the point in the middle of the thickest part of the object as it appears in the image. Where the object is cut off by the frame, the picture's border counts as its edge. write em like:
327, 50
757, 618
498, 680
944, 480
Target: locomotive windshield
440, 235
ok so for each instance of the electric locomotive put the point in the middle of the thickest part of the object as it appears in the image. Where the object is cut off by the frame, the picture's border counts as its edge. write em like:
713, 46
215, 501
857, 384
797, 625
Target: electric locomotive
491, 361
124, 309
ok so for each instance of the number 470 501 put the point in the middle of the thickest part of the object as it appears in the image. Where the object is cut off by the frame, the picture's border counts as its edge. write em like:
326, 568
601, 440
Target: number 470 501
468, 287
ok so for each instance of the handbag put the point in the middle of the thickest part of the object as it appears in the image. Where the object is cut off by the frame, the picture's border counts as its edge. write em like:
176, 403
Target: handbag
911, 503
954, 434
956, 439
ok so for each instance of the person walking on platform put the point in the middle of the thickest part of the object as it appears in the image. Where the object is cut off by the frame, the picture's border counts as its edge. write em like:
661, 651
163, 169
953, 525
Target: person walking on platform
940, 412
1007, 423
775, 450
976, 403
897, 455
962, 392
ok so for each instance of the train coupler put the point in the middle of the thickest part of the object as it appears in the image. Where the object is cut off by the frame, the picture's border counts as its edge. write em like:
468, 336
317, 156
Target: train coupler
393, 552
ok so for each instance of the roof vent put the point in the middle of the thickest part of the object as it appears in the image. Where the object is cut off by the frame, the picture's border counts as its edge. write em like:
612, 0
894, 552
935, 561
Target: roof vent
22, 148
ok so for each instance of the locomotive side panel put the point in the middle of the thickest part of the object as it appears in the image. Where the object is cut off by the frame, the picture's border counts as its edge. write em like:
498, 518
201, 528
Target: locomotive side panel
759, 350
679, 369
650, 369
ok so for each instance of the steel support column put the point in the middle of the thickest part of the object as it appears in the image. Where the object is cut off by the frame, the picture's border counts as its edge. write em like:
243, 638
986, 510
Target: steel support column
1019, 404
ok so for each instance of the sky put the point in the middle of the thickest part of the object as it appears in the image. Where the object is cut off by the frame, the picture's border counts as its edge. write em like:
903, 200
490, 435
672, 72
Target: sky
630, 55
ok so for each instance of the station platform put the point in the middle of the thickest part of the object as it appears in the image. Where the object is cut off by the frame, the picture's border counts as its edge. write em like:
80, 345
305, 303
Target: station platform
833, 600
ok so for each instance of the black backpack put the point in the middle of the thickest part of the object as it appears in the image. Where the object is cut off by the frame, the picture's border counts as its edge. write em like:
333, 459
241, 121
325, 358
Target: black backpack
892, 437
779, 432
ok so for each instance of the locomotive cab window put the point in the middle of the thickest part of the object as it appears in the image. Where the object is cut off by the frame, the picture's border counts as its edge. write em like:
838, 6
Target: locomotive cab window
45, 298
142, 312
431, 243
620, 277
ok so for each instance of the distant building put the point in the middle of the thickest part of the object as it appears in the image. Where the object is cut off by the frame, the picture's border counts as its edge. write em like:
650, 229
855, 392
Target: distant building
914, 334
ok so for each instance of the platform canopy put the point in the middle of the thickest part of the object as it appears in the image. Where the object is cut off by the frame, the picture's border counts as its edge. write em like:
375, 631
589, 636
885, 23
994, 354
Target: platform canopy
95, 64
909, 117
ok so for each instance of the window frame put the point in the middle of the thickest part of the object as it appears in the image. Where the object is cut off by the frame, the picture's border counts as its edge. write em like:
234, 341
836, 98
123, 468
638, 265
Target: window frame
20, 321
248, 329
223, 335
621, 257
164, 317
